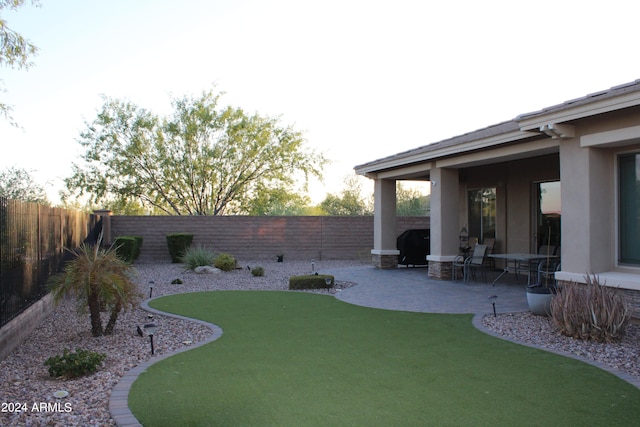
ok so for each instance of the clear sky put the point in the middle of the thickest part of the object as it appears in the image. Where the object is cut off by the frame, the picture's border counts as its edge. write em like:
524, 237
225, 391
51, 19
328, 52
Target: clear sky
362, 79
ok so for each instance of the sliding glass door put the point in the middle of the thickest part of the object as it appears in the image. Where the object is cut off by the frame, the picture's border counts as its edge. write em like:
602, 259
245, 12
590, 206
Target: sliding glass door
482, 213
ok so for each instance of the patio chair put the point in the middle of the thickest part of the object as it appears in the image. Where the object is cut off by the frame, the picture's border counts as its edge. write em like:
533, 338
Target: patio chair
489, 262
531, 268
547, 272
471, 264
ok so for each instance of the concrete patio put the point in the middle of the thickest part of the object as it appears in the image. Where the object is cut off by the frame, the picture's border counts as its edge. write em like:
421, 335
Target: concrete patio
410, 289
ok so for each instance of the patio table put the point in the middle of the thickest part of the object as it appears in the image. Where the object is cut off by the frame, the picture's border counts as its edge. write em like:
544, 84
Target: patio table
521, 257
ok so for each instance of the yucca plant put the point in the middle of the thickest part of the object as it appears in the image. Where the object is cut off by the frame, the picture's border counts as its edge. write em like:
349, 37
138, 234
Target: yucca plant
98, 279
590, 312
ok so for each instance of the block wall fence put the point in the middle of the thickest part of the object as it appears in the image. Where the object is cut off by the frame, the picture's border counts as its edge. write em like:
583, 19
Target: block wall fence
260, 237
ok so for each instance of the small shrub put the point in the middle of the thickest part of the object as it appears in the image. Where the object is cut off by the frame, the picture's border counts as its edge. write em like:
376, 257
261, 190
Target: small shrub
313, 281
126, 248
590, 312
177, 282
76, 364
178, 244
138, 249
258, 271
225, 262
197, 257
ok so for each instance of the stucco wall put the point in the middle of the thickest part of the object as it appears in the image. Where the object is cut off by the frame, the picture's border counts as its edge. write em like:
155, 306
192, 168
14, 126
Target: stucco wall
258, 238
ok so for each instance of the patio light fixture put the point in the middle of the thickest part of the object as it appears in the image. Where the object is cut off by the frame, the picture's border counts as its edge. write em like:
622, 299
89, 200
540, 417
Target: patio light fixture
151, 283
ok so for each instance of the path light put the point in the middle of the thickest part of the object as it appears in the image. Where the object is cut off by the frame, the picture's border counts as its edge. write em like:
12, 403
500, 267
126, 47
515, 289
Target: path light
313, 265
151, 283
150, 329
327, 280
493, 299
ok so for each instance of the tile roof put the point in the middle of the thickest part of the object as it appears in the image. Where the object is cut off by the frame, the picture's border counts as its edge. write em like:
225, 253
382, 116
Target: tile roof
593, 97
510, 125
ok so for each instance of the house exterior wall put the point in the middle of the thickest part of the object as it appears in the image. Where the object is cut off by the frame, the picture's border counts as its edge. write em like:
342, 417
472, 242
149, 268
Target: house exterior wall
589, 198
261, 238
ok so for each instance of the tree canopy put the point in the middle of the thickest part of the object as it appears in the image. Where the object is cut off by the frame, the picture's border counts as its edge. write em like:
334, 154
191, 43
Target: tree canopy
15, 50
18, 184
349, 201
202, 160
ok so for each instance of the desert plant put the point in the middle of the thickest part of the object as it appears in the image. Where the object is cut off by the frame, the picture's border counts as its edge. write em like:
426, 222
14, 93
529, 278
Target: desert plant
225, 262
197, 257
98, 279
178, 244
257, 271
590, 312
74, 364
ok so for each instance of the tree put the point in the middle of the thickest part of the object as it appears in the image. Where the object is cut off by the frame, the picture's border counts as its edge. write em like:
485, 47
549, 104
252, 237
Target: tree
349, 202
277, 201
17, 184
15, 50
204, 160
98, 279
410, 202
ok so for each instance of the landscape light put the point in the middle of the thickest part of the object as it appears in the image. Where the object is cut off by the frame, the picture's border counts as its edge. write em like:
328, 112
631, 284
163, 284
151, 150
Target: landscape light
493, 299
150, 329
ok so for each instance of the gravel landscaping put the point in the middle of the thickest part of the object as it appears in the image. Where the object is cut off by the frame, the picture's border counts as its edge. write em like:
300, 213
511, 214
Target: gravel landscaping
26, 383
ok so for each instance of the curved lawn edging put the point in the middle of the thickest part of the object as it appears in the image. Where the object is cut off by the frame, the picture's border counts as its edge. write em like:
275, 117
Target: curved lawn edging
477, 323
118, 401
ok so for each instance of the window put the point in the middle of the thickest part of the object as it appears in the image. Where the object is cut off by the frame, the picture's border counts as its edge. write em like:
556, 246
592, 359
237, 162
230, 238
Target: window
482, 213
629, 209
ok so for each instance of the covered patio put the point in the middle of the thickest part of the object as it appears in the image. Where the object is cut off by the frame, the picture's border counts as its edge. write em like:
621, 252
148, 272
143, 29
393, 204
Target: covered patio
564, 176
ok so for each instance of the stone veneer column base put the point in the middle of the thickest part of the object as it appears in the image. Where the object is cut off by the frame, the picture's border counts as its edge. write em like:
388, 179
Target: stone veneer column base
440, 270
384, 261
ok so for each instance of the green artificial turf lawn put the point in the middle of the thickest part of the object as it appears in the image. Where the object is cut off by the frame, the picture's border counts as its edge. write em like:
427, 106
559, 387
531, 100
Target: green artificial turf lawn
300, 359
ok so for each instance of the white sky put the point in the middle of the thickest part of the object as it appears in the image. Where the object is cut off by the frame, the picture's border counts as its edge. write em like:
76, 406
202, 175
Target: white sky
362, 79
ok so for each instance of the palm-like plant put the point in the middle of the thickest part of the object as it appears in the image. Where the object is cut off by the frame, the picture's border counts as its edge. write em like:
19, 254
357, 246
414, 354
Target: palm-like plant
99, 280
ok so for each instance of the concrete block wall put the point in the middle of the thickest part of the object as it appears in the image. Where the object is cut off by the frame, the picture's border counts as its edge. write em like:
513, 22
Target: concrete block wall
18, 329
261, 237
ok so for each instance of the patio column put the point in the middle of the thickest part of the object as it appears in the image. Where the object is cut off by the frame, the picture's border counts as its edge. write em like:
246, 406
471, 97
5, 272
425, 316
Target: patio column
384, 253
444, 222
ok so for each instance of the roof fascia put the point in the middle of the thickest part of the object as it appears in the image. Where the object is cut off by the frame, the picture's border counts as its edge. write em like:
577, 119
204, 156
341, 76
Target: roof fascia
396, 162
536, 120
499, 154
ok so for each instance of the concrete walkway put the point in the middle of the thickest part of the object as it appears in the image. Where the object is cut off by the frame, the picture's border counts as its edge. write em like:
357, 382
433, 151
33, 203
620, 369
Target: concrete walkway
411, 289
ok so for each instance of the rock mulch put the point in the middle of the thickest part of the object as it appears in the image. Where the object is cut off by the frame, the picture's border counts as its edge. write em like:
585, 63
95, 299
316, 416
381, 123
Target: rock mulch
27, 390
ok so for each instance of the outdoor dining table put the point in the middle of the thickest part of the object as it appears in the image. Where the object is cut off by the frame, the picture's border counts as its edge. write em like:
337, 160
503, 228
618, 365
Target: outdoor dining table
519, 257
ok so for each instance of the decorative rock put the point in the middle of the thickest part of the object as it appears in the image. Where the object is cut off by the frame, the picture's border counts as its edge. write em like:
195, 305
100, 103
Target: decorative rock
206, 269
